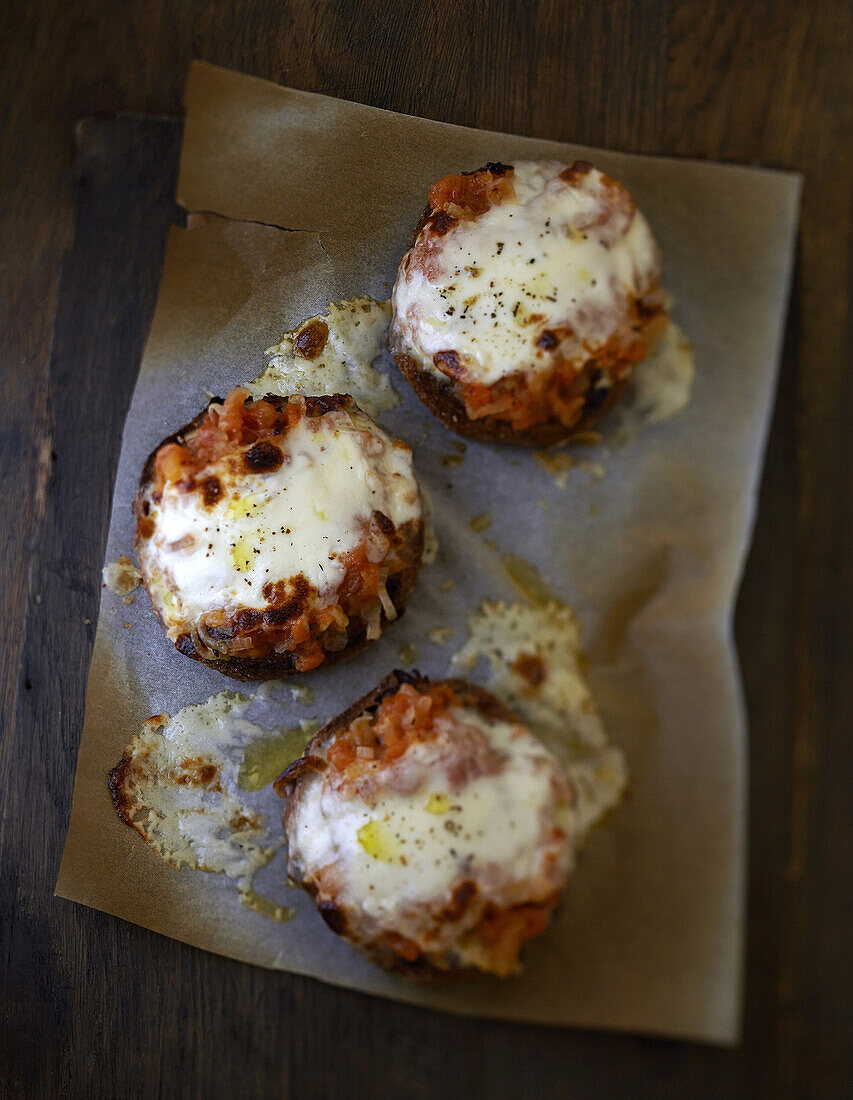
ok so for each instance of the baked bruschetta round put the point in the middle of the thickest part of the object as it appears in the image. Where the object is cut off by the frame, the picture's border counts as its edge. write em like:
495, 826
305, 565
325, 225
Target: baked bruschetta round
279, 534
525, 299
431, 828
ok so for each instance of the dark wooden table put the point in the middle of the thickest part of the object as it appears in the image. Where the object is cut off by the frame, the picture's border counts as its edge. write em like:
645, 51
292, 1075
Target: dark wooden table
91, 1006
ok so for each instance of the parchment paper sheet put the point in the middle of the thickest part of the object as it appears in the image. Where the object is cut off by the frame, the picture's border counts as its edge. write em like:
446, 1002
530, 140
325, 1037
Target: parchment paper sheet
650, 935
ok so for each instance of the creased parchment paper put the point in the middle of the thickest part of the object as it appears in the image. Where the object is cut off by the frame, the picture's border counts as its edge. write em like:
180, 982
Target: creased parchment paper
316, 201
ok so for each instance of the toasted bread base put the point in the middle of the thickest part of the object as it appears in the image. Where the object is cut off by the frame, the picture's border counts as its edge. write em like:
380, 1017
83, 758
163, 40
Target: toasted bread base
279, 665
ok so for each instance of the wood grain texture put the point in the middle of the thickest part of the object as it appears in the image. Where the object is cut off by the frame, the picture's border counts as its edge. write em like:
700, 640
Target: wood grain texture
90, 1006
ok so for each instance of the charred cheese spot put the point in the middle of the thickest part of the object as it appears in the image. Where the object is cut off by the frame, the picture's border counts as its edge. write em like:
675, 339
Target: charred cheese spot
531, 667
310, 340
461, 899
196, 773
353, 334
442, 222
288, 593
576, 171
211, 490
384, 523
597, 393
448, 362
263, 457
547, 340
288, 599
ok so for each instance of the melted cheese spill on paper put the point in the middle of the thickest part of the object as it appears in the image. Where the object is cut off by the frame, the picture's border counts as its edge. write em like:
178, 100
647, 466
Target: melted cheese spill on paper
430, 551
356, 336
660, 389
190, 784
534, 654
661, 383
121, 577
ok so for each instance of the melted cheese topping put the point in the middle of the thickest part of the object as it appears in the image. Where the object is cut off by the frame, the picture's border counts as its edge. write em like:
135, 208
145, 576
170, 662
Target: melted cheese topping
301, 518
494, 284
405, 851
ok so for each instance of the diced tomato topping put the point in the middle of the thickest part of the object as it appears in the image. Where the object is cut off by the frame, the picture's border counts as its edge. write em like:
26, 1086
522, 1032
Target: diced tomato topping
311, 655
471, 194
341, 754
525, 399
400, 719
504, 931
171, 464
237, 422
477, 396
361, 579
333, 615
243, 421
